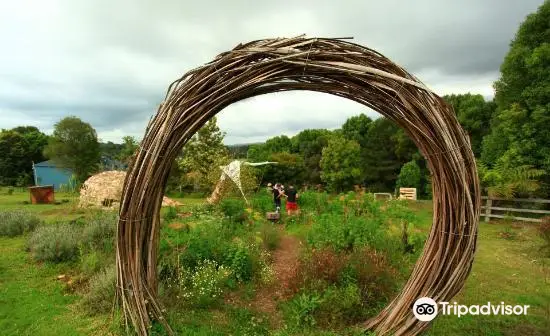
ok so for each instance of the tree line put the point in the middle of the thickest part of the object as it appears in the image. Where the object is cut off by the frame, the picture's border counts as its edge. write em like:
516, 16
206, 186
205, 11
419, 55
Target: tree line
509, 137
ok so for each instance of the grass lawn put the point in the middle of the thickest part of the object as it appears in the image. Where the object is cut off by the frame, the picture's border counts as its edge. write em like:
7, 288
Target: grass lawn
505, 270
512, 270
32, 301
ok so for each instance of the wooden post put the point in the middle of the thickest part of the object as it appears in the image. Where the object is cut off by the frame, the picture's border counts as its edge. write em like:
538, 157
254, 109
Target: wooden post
488, 209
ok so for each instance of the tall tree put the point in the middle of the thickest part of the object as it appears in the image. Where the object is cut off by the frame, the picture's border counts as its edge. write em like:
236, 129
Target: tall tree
279, 144
36, 142
356, 128
519, 130
128, 150
309, 145
290, 169
74, 145
341, 164
204, 152
474, 114
410, 176
262, 152
13, 160
20, 147
381, 163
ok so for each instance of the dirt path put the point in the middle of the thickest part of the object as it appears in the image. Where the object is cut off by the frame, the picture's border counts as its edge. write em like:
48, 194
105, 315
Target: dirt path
285, 262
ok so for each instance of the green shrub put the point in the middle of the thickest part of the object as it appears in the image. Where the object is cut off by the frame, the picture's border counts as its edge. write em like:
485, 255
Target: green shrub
369, 271
239, 260
262, 203
170, 214
98, 232
14, 223
204, 286
102, 289
314, 201
91, 263
10, 191
299, 312
55, 243
200, 247
345, 234
245, 322
233, 209
339, 306
270, 235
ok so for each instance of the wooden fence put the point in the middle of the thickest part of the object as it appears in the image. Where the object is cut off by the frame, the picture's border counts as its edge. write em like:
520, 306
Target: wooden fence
489, 208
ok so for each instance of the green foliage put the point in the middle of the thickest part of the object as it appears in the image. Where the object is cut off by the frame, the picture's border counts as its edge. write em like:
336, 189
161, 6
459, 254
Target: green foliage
350, 222
128, 150
203, 152
55, 243
91, 263
262, 202
72, 186
410, 176
270, 235
204, 286
170, 214
233, 209
356, 128
262, 152
66, 241
299, 311
235, 249
341, 164
387, 149
339, 306
309, 145
519, 135
237, 258
20, 147
290, 169
508, 182
99, 231
15, 223
315, 201
100, 297
343, 235
474, 115
74, 146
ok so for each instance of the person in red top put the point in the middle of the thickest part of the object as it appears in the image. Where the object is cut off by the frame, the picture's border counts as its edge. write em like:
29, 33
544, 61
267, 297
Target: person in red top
291, 200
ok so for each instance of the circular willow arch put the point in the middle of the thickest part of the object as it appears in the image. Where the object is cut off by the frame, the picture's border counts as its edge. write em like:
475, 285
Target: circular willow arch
332, 66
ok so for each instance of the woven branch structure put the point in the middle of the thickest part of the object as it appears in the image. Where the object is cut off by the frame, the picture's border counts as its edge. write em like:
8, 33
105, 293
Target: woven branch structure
333, 66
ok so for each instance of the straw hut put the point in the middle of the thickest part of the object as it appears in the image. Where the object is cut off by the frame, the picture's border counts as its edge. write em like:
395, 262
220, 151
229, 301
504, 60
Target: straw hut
103, 190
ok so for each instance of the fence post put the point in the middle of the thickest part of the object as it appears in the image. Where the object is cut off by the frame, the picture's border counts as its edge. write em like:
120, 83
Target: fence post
488, 209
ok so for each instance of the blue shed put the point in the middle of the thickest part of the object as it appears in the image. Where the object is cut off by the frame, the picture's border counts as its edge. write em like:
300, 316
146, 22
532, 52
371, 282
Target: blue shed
47, 173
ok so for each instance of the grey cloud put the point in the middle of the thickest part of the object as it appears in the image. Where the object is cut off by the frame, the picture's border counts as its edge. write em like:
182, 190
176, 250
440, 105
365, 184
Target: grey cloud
110, 62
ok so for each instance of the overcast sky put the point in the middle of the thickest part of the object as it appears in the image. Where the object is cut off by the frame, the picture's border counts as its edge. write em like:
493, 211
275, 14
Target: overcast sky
110, 62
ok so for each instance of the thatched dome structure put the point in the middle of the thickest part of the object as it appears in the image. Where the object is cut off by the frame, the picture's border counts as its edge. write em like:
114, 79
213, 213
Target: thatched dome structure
103, 190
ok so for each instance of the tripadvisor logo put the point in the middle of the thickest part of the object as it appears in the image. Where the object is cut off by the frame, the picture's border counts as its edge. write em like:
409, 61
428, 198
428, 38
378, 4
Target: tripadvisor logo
426, 309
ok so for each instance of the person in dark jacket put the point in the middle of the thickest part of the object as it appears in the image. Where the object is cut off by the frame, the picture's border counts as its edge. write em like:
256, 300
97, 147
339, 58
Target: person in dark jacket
291, 200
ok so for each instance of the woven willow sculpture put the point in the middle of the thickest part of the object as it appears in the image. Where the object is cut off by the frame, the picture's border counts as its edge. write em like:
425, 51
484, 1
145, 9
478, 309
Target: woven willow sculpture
326, 65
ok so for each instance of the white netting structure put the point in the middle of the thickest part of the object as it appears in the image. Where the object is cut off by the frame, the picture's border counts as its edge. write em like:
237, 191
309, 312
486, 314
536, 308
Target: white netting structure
232, 171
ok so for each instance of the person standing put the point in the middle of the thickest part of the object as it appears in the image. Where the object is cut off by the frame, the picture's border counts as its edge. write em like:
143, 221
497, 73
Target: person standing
291, 200
277, 194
